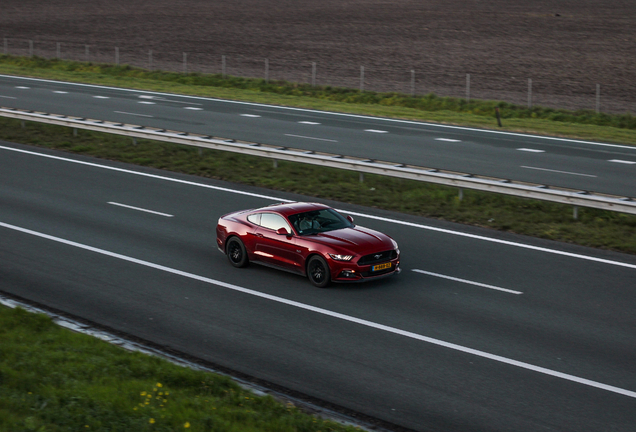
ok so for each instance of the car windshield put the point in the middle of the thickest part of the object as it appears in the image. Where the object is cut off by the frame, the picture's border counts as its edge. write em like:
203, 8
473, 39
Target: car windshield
317, 221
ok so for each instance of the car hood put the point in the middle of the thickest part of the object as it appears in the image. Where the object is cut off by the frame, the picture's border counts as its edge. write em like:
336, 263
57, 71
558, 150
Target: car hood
355, 240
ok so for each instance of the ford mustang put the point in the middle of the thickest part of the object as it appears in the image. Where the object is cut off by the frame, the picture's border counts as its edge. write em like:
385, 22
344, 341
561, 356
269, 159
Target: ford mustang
309, 239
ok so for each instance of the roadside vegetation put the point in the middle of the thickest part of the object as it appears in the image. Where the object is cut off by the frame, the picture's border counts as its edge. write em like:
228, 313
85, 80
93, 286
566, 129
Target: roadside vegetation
56, 380
552, 221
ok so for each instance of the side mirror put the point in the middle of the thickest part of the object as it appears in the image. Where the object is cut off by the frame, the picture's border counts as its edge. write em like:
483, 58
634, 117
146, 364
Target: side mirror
282, 231
349, 218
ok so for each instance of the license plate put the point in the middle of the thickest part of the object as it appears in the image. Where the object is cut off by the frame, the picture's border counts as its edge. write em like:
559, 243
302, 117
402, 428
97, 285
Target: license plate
381, 266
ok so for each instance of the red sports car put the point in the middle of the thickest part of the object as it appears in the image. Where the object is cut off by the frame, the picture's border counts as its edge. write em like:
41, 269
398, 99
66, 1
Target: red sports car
310, 239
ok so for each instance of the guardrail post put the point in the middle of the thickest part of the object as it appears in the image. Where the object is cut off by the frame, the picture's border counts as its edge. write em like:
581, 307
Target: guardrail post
461, 194
74, 132
275, 163
361, 177
575, 213
134, 140
22, 124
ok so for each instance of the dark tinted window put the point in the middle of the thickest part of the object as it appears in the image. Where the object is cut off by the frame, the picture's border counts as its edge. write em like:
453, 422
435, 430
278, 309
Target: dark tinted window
317, 221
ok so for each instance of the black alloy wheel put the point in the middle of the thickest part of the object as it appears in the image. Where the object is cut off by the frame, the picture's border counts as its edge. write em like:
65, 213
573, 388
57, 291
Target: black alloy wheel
318, 272
236, 253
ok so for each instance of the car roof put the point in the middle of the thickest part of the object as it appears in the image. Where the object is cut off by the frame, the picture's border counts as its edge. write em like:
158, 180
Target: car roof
288, 209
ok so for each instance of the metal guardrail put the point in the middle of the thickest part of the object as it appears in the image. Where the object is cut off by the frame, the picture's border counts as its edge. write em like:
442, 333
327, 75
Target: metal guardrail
577, 198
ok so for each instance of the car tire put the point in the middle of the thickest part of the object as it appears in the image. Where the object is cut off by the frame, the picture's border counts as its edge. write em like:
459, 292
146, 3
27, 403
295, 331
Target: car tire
318, 271
236, 253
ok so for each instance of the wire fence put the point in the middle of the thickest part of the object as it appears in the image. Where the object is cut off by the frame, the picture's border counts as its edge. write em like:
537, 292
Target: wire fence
376, 76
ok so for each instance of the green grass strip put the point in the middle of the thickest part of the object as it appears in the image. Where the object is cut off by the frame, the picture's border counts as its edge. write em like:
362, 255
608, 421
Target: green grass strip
55, 380
596, 228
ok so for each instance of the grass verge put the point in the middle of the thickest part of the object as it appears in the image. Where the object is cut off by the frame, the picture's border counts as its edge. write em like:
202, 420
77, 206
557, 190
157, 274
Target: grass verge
55, 380
594, 228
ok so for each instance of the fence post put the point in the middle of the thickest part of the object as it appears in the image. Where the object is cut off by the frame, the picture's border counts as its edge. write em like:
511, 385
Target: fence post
267, 70
223, 66
150, 60
361, 79
30, 48
313, 74
529, 93
598, 98
87, 52
412, 82
117, 56
467, 87
185, 63
59, 49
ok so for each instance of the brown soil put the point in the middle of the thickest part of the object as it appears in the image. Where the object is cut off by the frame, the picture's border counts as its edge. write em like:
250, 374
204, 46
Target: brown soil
565, 47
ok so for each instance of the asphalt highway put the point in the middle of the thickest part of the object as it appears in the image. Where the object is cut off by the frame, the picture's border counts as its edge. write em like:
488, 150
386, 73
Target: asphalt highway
482, 330
590, 166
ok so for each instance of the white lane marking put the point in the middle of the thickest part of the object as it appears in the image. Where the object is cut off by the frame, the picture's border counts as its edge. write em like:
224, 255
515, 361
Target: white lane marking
312, 138
8, 97
468, 282
101, 97
531, 150
133, 114
379, 218
376, 131
60, 92
332, 314
23, 87
147, 102
167, 100
308, 123
193, 108
447, 139
557, 171
622, 161
249, 115
313, 112
140, 209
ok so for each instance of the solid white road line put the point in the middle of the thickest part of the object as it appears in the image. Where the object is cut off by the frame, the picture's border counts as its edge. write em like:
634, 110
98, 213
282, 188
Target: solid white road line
468, 282
277, 199
133, 114
531, 150
332, 314
557, 171
447, 140
312, 138
140, 209
622, 161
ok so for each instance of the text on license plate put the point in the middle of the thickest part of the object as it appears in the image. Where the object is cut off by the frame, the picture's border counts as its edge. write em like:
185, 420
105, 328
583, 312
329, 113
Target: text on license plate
381, 266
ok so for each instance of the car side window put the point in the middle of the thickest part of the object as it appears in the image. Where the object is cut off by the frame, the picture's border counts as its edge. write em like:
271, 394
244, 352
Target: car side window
274, 222
255, 218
